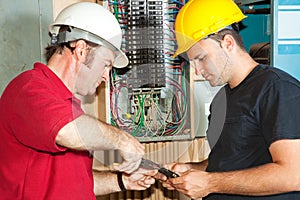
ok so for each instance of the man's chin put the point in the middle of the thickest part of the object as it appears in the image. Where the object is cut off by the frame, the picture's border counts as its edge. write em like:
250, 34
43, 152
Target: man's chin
90, 93
86, 93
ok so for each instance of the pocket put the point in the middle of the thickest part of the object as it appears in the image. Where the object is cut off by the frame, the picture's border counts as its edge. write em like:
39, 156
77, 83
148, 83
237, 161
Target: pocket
239, 145
231, 139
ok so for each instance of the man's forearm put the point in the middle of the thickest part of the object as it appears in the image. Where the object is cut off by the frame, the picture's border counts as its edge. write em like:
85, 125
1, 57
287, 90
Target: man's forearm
198, 165
88, 133
264, 180
105, 182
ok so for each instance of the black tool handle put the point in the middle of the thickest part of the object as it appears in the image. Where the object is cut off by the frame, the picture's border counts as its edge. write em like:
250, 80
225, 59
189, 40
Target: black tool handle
168, 173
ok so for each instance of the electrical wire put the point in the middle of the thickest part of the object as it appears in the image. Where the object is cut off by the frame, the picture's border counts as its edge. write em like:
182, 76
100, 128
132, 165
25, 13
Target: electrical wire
147, 113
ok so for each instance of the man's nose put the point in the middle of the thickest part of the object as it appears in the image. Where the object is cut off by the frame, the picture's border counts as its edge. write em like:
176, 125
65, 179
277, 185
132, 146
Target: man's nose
197, 71
105, 75
196, 66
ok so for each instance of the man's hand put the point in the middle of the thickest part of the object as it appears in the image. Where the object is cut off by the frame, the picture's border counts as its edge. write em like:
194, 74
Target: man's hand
175, 167
132, 152
106, 182
140, 179
193, 183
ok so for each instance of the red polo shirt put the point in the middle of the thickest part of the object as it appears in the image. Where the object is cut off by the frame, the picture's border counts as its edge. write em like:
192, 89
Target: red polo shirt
33, 108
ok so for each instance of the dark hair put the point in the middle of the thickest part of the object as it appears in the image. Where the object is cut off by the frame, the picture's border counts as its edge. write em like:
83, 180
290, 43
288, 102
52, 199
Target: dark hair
58, 48
53, 48
234, 32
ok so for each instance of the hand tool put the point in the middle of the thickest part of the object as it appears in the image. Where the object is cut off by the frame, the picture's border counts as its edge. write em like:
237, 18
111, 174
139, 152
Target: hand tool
148, 164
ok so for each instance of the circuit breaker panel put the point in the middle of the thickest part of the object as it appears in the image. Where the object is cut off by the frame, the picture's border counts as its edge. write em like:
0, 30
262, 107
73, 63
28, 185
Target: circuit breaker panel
150, 97
144, 44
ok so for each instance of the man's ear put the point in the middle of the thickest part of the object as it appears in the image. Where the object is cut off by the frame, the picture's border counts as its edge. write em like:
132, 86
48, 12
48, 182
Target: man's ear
228, 42
81, 50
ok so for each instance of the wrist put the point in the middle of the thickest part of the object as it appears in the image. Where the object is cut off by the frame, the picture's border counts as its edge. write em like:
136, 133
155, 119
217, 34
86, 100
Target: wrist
120, 181
213, 182
119, 138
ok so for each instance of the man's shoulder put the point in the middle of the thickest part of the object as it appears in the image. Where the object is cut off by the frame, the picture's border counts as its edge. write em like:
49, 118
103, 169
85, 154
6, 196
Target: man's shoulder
276, 74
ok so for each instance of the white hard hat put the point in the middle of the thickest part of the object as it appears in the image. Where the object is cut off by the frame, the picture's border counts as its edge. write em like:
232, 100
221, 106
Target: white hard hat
91, 22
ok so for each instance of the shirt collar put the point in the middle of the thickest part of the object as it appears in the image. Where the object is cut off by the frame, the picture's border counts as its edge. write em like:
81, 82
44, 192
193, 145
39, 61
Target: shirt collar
62, 89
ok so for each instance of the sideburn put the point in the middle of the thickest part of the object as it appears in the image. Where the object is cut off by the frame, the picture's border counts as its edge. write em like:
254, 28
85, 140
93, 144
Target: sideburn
90, 57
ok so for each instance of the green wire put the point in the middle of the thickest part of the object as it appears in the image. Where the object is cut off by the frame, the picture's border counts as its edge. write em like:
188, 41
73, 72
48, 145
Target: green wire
116, 9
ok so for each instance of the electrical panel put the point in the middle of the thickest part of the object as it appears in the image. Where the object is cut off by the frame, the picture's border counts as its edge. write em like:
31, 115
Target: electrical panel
150, 97
144, 43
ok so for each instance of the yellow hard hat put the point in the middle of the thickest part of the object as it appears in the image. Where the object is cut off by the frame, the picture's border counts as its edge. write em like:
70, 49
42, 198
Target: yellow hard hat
200, 18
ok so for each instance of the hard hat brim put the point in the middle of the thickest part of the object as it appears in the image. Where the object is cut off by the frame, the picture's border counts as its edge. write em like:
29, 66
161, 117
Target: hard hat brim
121, 59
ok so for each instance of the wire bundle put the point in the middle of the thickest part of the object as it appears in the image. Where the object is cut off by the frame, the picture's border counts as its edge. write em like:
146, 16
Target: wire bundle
149, 100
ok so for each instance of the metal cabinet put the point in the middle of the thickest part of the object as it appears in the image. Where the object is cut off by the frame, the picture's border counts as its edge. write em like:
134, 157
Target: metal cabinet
285, 49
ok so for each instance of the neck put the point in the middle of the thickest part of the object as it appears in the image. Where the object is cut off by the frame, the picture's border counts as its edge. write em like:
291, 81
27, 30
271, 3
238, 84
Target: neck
242, 68
63, 66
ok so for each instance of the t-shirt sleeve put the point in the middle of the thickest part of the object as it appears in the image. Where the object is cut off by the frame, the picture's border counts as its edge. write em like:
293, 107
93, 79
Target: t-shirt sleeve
280, 111
38, 115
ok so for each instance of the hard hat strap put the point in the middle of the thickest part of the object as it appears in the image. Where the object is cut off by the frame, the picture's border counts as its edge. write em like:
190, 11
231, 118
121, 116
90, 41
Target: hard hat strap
76, 34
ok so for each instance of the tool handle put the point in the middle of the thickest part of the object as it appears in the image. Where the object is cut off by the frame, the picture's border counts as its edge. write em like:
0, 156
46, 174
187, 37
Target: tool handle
168, 173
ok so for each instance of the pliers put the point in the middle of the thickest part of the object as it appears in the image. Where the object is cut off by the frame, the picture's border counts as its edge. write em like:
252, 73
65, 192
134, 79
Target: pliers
148, 164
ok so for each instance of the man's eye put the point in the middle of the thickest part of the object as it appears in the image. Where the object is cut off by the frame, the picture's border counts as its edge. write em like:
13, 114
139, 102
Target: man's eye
203, 57
200, 59
107, 66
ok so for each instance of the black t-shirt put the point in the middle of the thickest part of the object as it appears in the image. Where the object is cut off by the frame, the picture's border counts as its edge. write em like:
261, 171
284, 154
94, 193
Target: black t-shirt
262, 109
